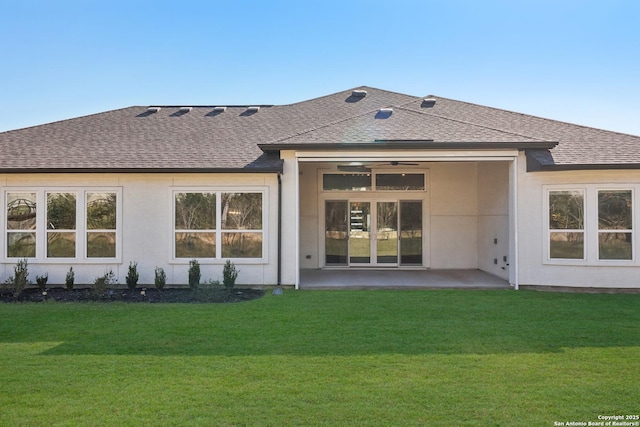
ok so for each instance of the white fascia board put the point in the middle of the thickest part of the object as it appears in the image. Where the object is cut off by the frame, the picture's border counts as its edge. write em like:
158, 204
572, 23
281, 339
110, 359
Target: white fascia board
416, 156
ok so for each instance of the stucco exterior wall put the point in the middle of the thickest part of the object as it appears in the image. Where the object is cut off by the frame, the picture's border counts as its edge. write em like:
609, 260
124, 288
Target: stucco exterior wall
146, 234
493, 218
534, 266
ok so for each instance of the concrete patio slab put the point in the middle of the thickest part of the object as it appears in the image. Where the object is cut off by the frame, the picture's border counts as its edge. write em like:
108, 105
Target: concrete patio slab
399, 279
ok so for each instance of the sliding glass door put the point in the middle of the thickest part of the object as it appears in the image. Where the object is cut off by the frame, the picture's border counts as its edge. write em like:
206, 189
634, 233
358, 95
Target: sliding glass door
373, 233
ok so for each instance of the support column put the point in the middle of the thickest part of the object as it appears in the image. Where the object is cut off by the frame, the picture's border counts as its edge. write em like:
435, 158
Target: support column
513, 224
290, 220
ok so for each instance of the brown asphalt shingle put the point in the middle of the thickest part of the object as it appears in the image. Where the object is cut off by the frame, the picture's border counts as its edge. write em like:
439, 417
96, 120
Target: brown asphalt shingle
129, 139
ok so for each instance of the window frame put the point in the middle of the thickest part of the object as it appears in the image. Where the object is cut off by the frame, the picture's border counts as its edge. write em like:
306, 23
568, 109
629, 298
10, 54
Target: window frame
219, 230
42, 231
616, 231
591, 227
582, 230
373, 173
48, 231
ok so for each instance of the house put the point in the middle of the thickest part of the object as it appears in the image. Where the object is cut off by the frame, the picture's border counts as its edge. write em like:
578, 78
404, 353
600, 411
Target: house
360, 179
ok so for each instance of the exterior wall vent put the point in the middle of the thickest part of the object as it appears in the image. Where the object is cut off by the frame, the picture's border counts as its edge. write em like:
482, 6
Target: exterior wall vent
152, 110
359, 93
219, 109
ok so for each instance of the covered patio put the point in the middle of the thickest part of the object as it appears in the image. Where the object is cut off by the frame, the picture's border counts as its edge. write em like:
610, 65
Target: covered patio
399, 279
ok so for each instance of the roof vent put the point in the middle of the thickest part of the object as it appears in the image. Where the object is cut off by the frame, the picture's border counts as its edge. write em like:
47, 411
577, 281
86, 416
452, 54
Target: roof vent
152, 110
384, 113
185, 110
253, 109
219, 109
428, 102
359, 93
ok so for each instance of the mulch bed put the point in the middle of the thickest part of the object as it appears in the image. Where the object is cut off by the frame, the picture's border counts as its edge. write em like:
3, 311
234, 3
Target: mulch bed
139, 295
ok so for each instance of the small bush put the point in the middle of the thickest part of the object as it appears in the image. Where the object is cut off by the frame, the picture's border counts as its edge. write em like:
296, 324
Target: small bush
70, 279
16, 283
229, 275
161, 278
132, 276
42, 282
102, 283
194, 274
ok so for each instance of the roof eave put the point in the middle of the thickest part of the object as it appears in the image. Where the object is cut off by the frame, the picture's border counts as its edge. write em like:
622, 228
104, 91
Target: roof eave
408, 144
594, 166
140, 170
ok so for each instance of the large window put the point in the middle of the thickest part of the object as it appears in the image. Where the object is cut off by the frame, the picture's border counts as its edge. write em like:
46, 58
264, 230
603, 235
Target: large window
62, 224
566, 224
590, 225
615, 225
21, 225
101, 225
218, 224
195, 225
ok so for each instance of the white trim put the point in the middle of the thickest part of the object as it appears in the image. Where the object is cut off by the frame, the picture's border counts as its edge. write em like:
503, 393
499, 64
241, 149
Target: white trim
406, 155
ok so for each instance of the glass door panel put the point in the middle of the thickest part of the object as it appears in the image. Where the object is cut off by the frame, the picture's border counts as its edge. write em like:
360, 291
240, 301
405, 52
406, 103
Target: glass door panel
411, 232
336, 233
360, 233
387, 233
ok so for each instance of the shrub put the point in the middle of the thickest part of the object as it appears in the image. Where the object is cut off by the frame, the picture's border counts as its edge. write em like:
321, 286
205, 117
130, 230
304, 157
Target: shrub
229, 275
161, 278
70, 279
194, 274
42, 282
102, 283
16, 283
132, 276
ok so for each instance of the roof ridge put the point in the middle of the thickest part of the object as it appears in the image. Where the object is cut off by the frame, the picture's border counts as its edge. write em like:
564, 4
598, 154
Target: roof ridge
537, 117
70, 119
473, 124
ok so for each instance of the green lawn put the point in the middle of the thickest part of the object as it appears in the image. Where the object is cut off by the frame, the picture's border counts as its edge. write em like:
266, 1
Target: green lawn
396, 358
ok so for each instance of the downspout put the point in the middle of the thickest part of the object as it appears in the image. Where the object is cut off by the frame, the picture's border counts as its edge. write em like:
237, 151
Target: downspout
516, 284
278, 290
279, 228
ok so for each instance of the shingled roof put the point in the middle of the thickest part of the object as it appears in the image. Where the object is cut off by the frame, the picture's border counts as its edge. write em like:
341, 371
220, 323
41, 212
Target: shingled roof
240, 139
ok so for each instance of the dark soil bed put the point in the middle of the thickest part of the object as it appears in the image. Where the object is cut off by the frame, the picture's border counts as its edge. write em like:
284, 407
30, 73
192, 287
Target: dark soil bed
139, 295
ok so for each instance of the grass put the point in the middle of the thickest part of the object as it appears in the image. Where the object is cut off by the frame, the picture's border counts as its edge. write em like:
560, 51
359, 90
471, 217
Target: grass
324, 358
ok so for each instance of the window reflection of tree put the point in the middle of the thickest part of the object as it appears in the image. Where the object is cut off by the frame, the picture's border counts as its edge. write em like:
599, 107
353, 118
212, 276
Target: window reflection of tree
566, 210
61, 211
614, 210
195, 211
101, 211
21, 213
241, 211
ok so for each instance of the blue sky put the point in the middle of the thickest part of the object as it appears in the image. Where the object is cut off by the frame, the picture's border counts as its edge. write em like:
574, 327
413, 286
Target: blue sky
577, 61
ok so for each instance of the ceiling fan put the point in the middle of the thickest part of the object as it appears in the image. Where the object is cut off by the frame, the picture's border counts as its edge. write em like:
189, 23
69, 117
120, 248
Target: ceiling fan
362, 167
